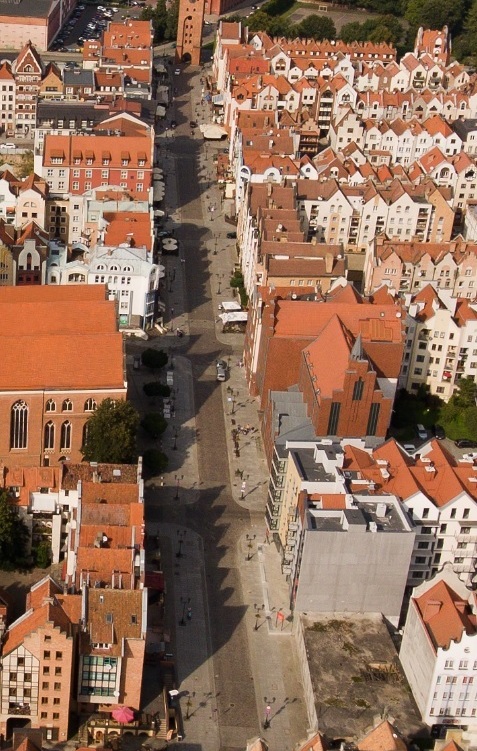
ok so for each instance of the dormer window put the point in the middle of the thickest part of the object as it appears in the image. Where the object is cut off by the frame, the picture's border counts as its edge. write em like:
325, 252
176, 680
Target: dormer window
89, 161
57, 160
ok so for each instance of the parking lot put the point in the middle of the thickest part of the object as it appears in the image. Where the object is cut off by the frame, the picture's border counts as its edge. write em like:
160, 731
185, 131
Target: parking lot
88, 22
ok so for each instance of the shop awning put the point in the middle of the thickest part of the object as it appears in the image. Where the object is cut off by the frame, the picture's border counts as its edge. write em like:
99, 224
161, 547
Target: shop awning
218, 99
213, 132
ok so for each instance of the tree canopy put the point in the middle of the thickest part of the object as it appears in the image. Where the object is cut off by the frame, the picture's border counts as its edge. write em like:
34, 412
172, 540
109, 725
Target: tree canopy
316, 27
13, 535
164, 20
111, 433
154, 358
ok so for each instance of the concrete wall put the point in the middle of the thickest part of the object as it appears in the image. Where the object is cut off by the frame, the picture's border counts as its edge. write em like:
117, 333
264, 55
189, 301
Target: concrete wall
354, 571
16, 32
417, 657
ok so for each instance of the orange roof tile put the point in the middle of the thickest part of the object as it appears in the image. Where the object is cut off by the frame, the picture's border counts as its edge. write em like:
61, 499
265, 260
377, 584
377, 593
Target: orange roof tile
445, 614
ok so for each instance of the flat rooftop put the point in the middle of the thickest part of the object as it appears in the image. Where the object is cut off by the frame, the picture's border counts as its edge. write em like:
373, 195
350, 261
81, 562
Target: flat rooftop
359, 677
310, 470
385, 517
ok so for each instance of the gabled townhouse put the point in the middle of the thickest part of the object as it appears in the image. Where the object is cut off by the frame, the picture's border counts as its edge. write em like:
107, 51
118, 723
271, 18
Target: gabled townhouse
47, 422
438, 653
409, 266
29, 255
28, 70
38, 662
466, 129
51, 85
436, 43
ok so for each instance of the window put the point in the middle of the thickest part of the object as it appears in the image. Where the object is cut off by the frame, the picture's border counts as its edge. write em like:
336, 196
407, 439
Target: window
49, 436
46, 670
57, 686
56, 715
44, 715
19, 425
67, 406
45, 686
425, 513
334, 418
57, 671
449, 664
358, 390
50, 406
373, 419
44, 700
65, 441
56, 700
465, 514
89, 405
46, 654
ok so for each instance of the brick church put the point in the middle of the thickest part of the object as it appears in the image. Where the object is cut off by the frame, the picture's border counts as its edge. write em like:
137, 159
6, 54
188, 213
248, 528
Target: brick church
62, 354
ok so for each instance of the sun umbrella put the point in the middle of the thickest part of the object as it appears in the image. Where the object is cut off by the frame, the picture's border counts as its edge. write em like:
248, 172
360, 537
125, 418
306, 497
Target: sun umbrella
170, 243
123, 714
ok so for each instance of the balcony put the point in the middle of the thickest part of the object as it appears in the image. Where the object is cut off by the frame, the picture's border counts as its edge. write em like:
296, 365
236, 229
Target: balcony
21, 709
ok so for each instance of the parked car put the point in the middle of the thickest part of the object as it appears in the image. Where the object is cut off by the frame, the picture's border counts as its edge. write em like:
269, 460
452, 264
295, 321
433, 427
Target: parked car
193, 124
177, 72
221, 372
173, 124
7, 146
439, 432
465, 443
421, 432
231, 235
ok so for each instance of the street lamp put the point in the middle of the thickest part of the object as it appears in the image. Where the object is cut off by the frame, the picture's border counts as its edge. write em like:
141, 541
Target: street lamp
181, 536
258, 615
172, 319
189, 705
176, 497
185, 602
176, 433
250, 539
219, 277
268, 711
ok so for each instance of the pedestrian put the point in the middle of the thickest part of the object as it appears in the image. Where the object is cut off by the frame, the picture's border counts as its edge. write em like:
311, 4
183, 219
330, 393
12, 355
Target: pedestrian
189, 613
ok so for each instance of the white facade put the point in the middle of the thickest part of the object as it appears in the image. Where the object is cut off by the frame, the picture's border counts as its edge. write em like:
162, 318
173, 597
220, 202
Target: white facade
131, 276
442, 677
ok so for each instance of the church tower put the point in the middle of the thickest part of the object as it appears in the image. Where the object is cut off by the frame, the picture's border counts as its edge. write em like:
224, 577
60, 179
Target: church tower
189, 31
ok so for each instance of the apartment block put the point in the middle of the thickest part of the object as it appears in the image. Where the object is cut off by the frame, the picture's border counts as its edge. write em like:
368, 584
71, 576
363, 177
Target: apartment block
438, 653
441, 342
75, 164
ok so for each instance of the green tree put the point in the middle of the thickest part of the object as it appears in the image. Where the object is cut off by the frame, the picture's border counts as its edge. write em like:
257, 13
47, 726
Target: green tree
316, 27
154, 388
154, 423
43, 555
111, 433
26, 164
13, 535
467, 393
154, 359
435, 14
155, 461
172, 21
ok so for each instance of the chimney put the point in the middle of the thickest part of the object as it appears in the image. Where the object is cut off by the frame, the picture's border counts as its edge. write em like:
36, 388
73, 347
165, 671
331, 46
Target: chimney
432, 608
329, 263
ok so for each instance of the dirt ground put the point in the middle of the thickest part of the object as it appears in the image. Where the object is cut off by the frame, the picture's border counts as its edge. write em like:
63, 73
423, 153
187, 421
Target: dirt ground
15, 585
360, 678
340, 16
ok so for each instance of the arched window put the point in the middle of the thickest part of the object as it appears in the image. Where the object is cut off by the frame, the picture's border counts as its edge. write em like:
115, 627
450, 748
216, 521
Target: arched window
89, 405
85, 435
65, 438
29, 260
50, 406
67, 406
19, 425
113, 267
49, 437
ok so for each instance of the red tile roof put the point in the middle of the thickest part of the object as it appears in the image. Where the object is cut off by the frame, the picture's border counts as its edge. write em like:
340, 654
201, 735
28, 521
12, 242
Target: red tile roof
445, 614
